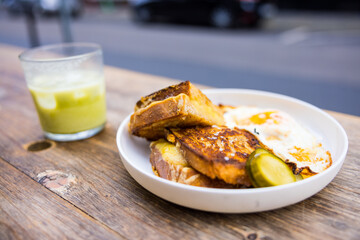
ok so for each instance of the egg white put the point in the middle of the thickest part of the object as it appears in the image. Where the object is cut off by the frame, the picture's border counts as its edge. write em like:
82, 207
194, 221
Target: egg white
283, 135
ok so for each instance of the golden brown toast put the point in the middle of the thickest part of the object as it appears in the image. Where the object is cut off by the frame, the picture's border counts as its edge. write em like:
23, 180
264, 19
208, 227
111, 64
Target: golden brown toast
181, 105
217, 152
167, 162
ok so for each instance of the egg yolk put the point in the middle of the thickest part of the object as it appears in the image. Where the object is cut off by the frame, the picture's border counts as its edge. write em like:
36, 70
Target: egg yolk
261, 118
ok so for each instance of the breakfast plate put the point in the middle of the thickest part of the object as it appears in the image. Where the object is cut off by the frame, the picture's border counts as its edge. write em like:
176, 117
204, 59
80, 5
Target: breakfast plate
135, 152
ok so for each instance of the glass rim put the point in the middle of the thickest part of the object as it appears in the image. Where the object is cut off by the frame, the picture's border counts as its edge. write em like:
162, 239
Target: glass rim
24, 56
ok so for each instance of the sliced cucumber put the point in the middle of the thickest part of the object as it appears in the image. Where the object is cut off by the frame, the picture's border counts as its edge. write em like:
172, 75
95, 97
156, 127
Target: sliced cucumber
266, 170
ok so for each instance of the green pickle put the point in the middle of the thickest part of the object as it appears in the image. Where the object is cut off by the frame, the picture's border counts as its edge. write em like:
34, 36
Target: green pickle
299, 177
266, 170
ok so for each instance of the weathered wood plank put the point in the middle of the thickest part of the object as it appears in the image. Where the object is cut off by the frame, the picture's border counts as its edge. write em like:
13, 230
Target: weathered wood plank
106, 191
30, 211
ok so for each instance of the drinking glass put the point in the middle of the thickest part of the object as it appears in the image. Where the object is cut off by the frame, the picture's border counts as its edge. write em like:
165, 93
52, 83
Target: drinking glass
66, 82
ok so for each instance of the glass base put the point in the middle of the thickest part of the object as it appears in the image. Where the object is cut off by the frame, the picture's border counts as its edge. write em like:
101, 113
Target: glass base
74, 136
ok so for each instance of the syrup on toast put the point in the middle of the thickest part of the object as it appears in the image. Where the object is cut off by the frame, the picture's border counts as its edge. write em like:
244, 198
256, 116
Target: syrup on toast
217, 152
167, 162
181, 105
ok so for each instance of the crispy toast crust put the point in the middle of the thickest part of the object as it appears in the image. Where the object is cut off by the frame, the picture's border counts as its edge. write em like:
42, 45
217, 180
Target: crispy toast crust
171, 91
217, 152
181, 105
176, 168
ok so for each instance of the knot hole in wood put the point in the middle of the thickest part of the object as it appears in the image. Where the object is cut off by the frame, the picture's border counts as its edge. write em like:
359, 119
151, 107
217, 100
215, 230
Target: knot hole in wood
39, 145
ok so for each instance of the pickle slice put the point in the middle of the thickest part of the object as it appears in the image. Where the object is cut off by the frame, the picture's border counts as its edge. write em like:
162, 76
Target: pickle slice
299, 177
266, 170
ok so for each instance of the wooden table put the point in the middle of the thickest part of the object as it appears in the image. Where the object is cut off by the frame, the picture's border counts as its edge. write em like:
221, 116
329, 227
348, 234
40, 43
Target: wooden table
102, 201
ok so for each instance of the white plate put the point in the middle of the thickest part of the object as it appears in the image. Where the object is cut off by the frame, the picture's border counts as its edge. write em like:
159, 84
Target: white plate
135, 152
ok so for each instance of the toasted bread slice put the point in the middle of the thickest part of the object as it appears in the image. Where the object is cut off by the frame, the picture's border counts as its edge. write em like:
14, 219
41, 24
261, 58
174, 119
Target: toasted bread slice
167, 162
217, 152
181, 105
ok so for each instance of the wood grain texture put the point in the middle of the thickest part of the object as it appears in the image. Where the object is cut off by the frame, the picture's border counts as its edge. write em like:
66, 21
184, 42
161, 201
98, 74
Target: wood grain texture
106, 192
30, 211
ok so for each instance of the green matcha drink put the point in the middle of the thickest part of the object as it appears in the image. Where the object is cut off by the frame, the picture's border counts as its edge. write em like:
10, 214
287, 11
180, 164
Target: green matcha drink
69, 103
67, 84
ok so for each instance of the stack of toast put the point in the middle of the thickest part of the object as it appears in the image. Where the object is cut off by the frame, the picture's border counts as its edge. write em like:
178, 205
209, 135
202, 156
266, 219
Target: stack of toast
190, 142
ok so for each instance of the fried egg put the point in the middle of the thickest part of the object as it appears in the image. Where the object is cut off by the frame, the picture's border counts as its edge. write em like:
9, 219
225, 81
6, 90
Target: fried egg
281, 134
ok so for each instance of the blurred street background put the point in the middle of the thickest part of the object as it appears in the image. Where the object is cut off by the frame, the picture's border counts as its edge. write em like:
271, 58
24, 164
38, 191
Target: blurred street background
310, 54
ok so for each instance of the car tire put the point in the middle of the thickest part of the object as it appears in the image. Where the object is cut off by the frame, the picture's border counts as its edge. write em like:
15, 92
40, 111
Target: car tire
143, 14
256, 24
222, 17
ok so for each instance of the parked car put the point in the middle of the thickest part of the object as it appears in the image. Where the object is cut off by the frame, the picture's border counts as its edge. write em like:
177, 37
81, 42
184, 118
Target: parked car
220, 13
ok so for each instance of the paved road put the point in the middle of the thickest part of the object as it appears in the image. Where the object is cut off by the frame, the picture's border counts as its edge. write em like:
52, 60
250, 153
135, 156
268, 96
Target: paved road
313, 57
